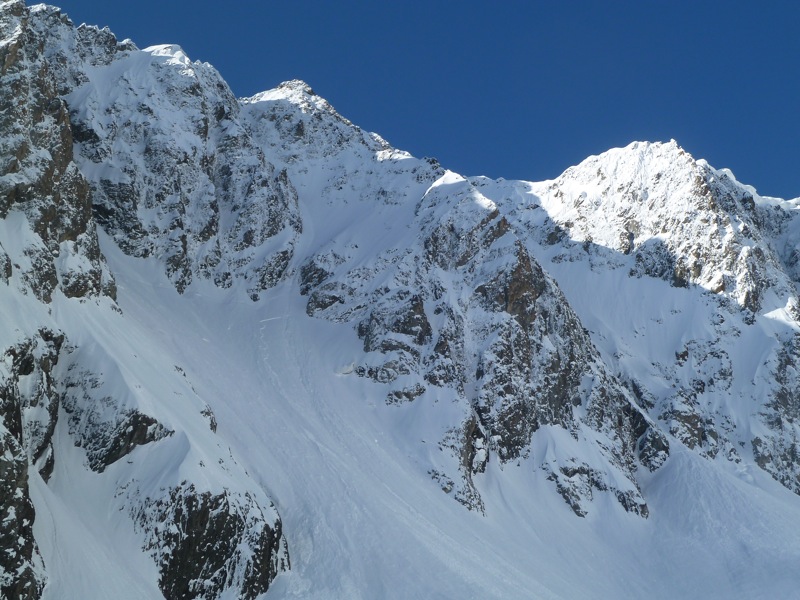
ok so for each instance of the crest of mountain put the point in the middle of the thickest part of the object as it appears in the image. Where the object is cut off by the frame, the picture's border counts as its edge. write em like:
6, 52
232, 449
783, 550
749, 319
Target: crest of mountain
206, 299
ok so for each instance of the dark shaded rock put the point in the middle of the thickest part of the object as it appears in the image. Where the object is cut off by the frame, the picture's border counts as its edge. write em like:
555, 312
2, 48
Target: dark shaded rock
327, 295
212, 419
688, 423
32, 363
468, 444
516, 290
407, 318
405, 395
472, 314
97, 423
21, 572
6, 269
578, 482
206, 544
135, 429
311, 276
778, 452
209, 205
37, 146
28, 407
475, 452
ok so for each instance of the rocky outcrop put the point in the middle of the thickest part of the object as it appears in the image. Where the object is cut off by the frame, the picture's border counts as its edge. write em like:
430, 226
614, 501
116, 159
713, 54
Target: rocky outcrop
39, 181
214, 536
205, 543
100, 423
208, 543
678, 218
29, 404
49, 246
777, 449
21, 569
651, 210
173, 173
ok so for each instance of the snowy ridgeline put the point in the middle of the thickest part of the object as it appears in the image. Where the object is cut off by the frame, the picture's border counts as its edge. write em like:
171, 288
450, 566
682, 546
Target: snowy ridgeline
237, 332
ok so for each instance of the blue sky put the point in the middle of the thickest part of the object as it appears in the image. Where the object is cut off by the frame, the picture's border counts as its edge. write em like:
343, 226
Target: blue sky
515, 89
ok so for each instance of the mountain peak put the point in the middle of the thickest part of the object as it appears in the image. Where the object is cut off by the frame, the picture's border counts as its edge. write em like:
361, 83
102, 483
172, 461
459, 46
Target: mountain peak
296, 90
173, 51
679, 218
632, 160
297, 85
297, 93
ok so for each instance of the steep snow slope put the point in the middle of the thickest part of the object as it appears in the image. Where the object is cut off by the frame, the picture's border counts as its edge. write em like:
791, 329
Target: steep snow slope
362, 517
449, 387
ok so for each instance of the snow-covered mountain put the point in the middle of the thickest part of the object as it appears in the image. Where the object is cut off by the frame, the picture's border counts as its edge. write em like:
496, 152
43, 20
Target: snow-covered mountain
250, 350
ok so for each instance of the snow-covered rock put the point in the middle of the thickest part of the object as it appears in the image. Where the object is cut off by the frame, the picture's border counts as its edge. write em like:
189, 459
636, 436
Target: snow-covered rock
720, 378
173, 172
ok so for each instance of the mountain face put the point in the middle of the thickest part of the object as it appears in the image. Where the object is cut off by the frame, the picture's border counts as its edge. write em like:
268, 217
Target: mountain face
69, 383
448, 386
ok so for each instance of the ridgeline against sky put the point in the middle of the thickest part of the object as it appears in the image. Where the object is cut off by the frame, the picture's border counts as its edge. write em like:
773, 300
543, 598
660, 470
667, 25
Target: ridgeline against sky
515, 89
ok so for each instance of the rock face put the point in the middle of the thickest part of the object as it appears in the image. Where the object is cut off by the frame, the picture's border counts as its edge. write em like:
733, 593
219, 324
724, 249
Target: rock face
174, 173
21, 570
48, 243
725, 254
39, 182
206, 536
679, 219
472, 306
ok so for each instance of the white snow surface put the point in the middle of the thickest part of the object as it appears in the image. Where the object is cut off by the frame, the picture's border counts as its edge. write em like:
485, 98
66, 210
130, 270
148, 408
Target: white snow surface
348, 473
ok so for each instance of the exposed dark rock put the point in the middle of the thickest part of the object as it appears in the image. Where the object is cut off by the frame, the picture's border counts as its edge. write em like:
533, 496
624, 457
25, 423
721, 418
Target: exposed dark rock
511, 348
405, 395
38, 147
28, 406
212, 420
31, 384
407, 318
578, 482
326, 296
779, 452
208, 543
167, 200
475, 454
106, 431
311, 276
21, 572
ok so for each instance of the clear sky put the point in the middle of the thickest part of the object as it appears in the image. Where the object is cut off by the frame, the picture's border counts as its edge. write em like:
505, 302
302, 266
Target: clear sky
516, 89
